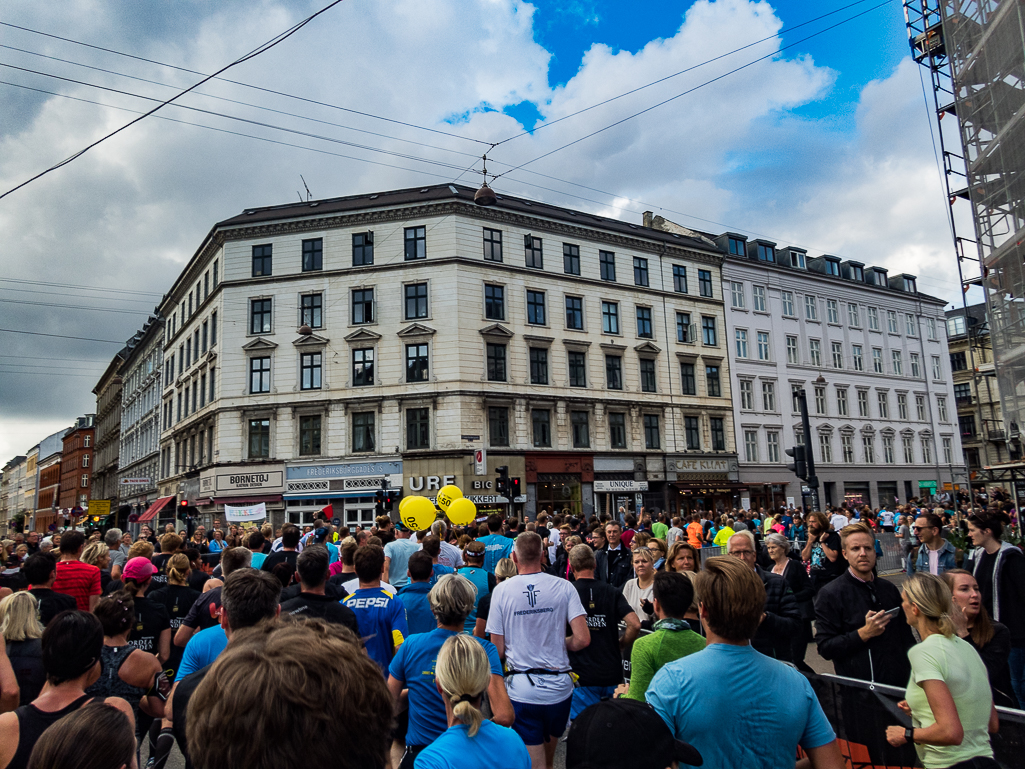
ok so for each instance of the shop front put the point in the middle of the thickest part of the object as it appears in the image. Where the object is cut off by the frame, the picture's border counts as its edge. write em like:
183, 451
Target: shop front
560, 483
348, 488
474, 474
239, 486
705, 484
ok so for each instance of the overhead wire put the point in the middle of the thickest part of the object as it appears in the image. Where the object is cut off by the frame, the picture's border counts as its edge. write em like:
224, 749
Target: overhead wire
74, 306
76, 285
59, 336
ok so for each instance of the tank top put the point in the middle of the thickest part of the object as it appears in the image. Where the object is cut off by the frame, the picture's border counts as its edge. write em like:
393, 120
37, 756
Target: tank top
110, 683
32, 722
479, 579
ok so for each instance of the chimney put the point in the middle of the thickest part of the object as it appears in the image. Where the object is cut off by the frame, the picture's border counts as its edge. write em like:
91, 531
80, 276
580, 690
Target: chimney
647, 219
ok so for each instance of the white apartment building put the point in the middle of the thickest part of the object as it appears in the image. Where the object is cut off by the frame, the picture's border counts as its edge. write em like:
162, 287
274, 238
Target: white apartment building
141, 389
869, 350
314, 351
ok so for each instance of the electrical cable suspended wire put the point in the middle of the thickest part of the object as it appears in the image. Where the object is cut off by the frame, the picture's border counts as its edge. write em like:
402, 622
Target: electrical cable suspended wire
74, 285
60, 336
246, 85
244, 58
789, 29
62, 375
74, 306
697, 87
68, 293
36, 357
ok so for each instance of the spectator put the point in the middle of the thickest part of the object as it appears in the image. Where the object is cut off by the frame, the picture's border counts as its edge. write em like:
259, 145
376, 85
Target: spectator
683, 556
496, 546
591, 744
381, 616
936, 555
722, 536
243, 711
672, 636
79, 580
94, 731
312, 567
205, 612
613, 563
695, 532
599, 667
637, 591
41, 571
482, 581
730, 683
948, 694
419, 616
503, 571
854, 617
22, 632
396, 556
676, 531
823, 550
527, 623
781, 621
287, 553
778, 549
112, 539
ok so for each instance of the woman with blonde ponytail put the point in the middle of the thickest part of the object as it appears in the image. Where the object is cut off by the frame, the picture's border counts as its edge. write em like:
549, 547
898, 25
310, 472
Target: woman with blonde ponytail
462, 675
176, 599
948, 696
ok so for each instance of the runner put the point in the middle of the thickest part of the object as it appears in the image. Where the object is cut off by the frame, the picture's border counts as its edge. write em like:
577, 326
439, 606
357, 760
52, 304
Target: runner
496, 546
381, 616
312, 567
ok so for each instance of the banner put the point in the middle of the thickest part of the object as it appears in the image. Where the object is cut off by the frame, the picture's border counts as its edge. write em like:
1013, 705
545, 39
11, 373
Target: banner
244, 514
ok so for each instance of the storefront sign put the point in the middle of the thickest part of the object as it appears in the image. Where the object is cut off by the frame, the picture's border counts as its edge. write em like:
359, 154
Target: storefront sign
702, 465
236, 480
480, 461
136, 482
99, 507
353, 470
248, 481
243, 514
432, 482
620, 486
927, 486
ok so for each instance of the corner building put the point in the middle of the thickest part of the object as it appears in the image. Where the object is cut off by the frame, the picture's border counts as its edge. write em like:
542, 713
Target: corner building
586, 354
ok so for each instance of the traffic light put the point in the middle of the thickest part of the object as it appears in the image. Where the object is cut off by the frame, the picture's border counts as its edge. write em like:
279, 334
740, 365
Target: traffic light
502, 482
514, 488
379, 499
183, 510
799, 466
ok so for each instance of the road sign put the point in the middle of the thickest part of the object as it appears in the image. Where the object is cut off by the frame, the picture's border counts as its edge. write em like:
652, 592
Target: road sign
99, 507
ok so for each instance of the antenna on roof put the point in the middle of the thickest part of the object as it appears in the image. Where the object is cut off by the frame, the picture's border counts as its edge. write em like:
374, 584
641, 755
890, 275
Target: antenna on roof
309, 195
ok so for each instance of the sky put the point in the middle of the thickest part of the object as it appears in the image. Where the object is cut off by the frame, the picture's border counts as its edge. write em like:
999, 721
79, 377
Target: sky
820, 139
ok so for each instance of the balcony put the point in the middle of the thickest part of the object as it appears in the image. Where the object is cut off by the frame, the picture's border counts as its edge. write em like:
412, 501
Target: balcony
996, 434
964, 400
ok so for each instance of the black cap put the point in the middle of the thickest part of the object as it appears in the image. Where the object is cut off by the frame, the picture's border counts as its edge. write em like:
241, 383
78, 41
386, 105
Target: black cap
595, 739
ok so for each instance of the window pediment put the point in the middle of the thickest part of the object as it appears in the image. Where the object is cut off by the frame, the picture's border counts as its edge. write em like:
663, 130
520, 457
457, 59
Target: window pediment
313, 340
497, 330
259, 344
648, 348
362, 336
416, 329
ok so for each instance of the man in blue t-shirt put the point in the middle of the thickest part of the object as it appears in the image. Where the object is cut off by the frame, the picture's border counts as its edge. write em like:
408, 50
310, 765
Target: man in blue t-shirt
381, 616
729, 682
396, 555
432, 546
496, 546
419, 616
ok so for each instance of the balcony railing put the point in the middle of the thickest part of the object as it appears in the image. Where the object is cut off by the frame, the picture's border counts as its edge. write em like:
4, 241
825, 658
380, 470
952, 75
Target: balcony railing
964, 400
995, 434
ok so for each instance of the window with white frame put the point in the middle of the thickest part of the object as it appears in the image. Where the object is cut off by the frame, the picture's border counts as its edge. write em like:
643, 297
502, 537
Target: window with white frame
832, 311
820, 401
916, 365
815, 352
795, 392
888, 456
868, 447
847, 448
751, 445
763, 345
873, 319
841, 401
877, 360
884, 404
737, 295
930, 324
769, 396
911, 324
926, 450
920, 407
741, 343
811, 308
936, 368
852, 315
902, 406
837, 351
941, 408
772, 446
826, 448
857, 357
898, 362
909, 449
788, 303
948, 450
891, 322
792, 355
746, 395
758, 298
862, 403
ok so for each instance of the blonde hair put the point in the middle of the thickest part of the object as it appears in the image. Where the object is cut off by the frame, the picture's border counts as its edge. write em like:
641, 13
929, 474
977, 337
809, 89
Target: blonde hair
94, 552
933, 598
463, 673
140, 548
18, 618
452, 599
178, 568
504, 569
644, 553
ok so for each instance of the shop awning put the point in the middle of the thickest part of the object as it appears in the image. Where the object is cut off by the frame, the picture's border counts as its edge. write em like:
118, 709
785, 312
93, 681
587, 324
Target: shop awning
152, 510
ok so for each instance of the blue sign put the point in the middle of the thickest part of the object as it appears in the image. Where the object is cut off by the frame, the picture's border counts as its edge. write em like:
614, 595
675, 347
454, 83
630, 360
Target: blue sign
349, 470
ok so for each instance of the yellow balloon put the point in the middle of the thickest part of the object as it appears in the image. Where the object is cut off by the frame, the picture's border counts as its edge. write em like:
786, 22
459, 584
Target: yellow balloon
462, 511
418, 514
448, 495
403, 501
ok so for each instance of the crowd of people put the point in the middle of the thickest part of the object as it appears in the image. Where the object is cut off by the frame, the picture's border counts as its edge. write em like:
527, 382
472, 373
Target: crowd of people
482, 645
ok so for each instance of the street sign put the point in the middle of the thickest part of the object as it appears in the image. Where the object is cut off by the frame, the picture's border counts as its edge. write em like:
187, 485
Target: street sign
470, 437
99, 507
480, 462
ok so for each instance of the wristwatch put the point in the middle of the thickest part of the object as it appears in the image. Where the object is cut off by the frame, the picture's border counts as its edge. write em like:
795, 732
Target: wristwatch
909, 734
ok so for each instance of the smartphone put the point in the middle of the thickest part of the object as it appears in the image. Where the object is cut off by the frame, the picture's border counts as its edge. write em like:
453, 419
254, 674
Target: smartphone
892, 612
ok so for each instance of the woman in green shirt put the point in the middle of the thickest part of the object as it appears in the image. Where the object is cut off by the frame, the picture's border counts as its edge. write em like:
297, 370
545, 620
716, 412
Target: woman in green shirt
948, 696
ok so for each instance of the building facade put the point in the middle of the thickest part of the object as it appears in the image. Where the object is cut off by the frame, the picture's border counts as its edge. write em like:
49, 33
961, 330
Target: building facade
11, 484
141, 372
28, 492
46, 489
870, 352
76, 466
315, 352
107, 446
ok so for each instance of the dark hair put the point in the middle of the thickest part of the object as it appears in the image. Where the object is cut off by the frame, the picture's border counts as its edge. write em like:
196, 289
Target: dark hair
283, 572
72, 644
96, 736
71, 542
256, 541
420, 566
674, 593
39, 567
249, 596
494, 522
192, 554
116, 612
993, 521
369, 561
932, 520
290, 536
432, 546
312, 565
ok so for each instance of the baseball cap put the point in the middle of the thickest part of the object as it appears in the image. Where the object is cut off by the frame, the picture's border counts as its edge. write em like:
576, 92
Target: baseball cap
595, 739
139, 568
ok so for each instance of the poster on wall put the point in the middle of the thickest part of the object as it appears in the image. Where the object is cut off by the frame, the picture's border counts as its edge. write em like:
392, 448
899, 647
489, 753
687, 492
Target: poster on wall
246, 514
745, 503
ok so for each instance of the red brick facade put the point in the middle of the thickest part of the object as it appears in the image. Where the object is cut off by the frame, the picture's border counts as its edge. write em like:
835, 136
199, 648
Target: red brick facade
76, 467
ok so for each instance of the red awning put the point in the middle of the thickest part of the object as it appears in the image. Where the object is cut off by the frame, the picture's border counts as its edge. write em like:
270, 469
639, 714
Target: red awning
152, 510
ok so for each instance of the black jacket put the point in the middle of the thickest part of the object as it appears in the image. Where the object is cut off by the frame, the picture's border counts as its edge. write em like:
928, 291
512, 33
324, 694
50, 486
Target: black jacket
782, 618
617, 573
800, 583
840, 609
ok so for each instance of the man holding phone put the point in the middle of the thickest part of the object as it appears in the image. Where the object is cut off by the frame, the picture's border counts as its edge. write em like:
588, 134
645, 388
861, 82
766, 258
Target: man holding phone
856, 617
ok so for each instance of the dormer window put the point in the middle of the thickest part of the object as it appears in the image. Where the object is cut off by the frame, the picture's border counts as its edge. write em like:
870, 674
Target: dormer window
857, 273
766, 253
909, 285
833, 267
737, 247
797, 259
879, 277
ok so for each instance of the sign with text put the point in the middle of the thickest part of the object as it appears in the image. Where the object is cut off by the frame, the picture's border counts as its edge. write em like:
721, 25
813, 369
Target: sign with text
136, 481
702, 465
620, 486
99, 507
249, 480
480, 462
244, 514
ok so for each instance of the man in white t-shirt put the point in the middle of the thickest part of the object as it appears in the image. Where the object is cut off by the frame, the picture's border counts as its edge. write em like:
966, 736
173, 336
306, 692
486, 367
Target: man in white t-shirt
396, 556
451, 555
527, 623
886, 519
838, 520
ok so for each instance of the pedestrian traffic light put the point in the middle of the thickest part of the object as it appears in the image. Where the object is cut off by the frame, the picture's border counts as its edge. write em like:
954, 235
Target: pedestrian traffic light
799, 466
514, 488
502, 482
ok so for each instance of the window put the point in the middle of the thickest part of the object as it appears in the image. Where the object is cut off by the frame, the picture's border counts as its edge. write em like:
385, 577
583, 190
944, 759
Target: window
862, 403
841, 401
941, 408
967, 424
640, 271
750, 446
693, 433
363, 431
815, 352
538, 365
679, 279
877, 360
902, 406
948, 451
910, 325
708, 334
852, 315
746, 392
416, 363
311, 367
916, 366
936, 368
418, 429
826, 448
536, 307
494, 302
575, 313
891, 322
820, 400
259, 375
309, 435
832, 311
85, 459
261, 263
259, 316
811, 308
788, 303
768, 396
651, 433
837, 350
884, 405
532, 251
705, 282
847, 448
415, 243
540, 422
496, 362
363, 367
647, 375
718, 433
206, 334
311, 310
857, 357
213, 329
908, 444
683, 327
766, 253
737, 295
758, 298
792, 356
688, 382
958, 361
577, 369
613, 372
898, 363
202, 390
798, 259
607, 264
956, 326
737, 247
617, 430
644, 323
931, 325
416, 300
869, 448
741, 343
610, 317
873, 319
772, 444
211, 393
492, 245
498, 426
313, 257
362, 305
259, 439
362, 249
712, 381
581, 433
